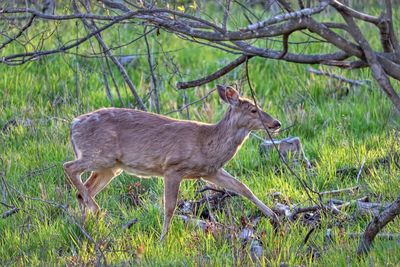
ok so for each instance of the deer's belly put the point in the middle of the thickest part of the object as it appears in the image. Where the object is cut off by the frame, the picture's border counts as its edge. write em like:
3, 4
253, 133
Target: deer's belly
140, 171
200, 171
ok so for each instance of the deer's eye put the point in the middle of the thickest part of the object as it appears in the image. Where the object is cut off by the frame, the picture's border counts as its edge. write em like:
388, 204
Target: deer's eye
254, 111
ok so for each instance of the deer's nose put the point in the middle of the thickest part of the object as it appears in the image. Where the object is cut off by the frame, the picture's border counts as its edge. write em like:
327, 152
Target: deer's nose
276, 124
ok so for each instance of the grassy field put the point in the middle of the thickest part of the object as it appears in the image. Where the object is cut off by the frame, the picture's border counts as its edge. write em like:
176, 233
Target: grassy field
338, 125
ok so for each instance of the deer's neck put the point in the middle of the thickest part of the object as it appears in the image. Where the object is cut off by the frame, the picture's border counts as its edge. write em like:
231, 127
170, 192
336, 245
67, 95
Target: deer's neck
226, 138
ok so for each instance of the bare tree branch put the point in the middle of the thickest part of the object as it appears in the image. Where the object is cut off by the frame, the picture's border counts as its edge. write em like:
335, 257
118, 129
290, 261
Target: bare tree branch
191, 103
340, 78
377, 71
296, 14
25, 57
215, 75
41, 15
354, 13
121, 68
393, 38
23, 29
197, 29
153, 84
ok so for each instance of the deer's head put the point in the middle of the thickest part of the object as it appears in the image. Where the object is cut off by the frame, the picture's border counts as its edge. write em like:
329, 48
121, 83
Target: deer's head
244, 113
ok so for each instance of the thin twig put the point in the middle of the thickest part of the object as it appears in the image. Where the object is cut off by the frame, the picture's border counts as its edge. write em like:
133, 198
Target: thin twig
38, 171
103, 72
23, 29
114, 81
191, 103
340, 78
305, 186
361, 169
106, 86
339, 191
124, 74
153, 76
354, 13
226, 14
37, 54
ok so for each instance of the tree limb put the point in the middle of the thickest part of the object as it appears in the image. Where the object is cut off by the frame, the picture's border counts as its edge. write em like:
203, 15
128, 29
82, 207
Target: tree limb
121, 68
219, 73
354, 13
393, 38
23, 29
296, 14
377, 71
340, 78
376, 225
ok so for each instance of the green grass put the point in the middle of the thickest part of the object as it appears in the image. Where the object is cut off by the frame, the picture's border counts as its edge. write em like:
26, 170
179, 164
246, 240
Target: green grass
337, 130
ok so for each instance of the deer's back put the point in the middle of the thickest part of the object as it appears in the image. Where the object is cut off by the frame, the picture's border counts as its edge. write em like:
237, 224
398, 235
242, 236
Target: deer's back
142, 143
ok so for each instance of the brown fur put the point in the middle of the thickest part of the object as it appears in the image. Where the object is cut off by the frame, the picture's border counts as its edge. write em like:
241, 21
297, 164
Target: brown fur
110, 140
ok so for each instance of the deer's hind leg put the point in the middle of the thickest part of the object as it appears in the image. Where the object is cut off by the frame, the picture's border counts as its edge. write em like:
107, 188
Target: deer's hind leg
73, 170
97, 181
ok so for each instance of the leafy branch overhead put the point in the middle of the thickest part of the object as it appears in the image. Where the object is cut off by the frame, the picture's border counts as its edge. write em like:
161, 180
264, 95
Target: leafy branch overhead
353, 50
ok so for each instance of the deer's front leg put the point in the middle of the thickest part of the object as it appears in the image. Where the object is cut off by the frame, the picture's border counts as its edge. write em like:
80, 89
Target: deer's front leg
224, 179
171, 189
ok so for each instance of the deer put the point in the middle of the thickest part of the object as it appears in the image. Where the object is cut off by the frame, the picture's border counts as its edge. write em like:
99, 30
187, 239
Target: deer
111, 140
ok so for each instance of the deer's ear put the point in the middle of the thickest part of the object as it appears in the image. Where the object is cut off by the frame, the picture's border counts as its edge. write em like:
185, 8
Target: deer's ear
228, 94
